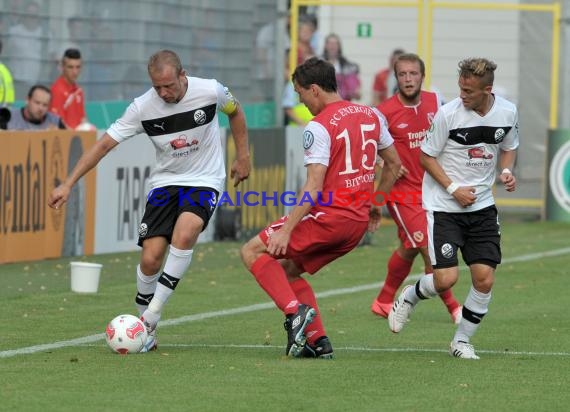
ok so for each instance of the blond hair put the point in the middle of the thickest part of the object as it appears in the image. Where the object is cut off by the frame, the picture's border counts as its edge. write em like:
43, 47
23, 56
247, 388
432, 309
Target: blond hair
479, 67
164, 58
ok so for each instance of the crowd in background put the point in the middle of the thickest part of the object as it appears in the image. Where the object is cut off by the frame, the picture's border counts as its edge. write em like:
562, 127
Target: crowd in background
347, 71
32, 56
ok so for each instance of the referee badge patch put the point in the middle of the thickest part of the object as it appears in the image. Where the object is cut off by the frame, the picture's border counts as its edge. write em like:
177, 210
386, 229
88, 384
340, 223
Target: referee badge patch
308, 139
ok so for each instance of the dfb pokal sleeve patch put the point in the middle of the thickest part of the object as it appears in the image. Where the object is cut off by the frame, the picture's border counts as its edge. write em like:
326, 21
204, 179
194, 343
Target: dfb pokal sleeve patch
308, 139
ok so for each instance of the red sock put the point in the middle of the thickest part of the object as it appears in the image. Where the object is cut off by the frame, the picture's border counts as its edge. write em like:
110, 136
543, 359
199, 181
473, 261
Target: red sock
273, 280
398, 270
305, 294
449, 300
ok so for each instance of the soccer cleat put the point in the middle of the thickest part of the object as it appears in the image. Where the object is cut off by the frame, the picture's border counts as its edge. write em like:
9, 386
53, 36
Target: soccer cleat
151, 343
295, 326
456, 315
381, 309
462, 350
322, 349
400, 312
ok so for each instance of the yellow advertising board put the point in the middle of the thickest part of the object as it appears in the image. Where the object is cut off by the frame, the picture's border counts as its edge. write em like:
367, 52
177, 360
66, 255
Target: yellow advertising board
31, 165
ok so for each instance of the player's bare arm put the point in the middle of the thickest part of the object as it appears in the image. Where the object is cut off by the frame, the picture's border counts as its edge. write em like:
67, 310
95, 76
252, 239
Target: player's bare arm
241, 166
507, 161
390, 172
464, 195
88, 161
313, 186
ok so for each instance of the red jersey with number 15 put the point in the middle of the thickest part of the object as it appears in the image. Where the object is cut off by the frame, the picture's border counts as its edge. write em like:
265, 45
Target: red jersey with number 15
409, 125
346, 138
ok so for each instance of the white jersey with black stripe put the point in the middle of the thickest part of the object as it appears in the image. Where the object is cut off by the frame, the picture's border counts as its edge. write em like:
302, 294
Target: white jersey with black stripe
467, 146
186, 135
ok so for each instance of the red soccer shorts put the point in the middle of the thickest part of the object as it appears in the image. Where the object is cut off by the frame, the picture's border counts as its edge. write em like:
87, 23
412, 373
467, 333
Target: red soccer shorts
318, 240
412, 223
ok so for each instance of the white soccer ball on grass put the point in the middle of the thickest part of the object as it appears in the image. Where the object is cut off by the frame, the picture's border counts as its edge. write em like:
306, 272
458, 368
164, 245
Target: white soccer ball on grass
126, 334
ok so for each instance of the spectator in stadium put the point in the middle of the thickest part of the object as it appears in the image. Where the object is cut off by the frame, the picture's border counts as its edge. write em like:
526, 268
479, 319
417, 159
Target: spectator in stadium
384, 84
187, 179
304, 46
76, 31
6, 84
409, 114
35, 115
68, 100
347, 73
27, 45
295, 112
75, 27
469, 138
266, 47
318, 232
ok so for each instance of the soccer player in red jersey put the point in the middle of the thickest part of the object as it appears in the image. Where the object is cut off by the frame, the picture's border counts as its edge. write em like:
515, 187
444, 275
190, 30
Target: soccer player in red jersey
341, 145
409, 114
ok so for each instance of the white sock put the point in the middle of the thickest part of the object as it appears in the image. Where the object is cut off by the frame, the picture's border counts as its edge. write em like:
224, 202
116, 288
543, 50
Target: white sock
426, 289
176, 264
474, 309
145, 289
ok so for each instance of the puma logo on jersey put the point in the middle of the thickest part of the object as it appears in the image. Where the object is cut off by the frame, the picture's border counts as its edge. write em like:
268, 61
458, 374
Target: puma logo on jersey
159, 126
464, 137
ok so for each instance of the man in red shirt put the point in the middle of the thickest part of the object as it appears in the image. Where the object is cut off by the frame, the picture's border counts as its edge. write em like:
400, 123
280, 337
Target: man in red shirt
68, 101
341, 143
409, 114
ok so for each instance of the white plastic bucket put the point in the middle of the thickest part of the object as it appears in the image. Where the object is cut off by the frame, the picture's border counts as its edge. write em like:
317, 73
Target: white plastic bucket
85, 277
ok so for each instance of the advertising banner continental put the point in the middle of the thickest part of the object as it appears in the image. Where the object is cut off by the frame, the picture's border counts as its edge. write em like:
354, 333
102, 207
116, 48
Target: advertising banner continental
31, 165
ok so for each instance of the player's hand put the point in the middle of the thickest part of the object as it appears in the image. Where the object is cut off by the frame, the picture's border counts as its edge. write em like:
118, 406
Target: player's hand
509, 181
240, 170
278, 242
375, 218
402, 172
58, 196
465, 196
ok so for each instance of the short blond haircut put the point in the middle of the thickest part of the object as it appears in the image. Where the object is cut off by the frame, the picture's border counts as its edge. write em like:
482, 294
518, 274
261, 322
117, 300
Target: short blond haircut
479, 67
164, 58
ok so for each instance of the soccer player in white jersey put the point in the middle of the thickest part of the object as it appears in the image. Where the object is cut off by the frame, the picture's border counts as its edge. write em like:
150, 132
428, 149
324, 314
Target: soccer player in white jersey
469, 138
179, 115
409, 114
341, 145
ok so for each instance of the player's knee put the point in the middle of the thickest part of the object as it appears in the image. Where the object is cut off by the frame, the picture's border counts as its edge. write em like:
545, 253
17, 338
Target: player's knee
484, 285
247, 254
150, 264
251, 251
